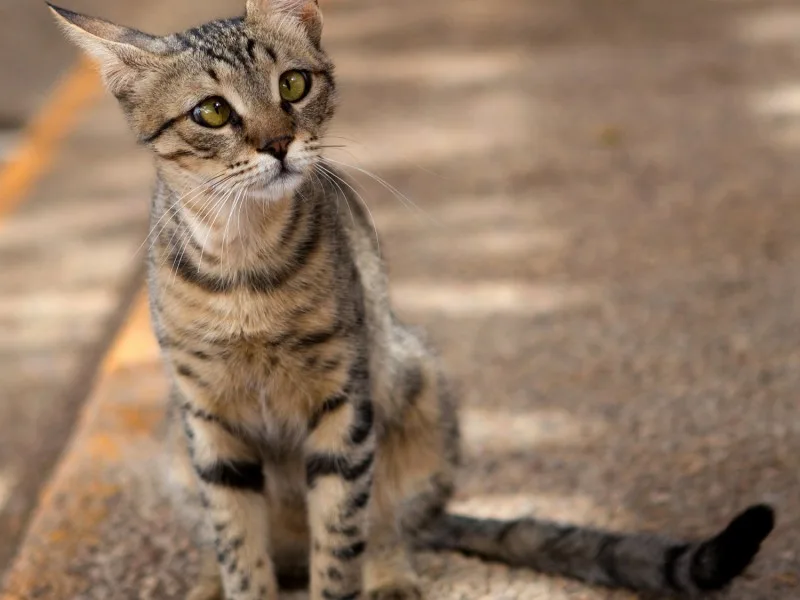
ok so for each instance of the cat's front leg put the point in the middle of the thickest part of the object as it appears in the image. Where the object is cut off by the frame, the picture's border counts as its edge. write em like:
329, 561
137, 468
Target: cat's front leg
231, 480
340, 452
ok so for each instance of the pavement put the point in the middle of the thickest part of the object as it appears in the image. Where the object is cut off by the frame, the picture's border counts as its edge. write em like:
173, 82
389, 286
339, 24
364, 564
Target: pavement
599, 226
73, 214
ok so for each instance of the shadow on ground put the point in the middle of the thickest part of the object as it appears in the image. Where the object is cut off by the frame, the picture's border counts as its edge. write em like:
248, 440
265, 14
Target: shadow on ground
604, 247
605, 252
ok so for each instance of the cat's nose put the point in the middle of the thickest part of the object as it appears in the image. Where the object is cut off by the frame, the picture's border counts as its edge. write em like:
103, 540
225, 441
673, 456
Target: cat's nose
277, 147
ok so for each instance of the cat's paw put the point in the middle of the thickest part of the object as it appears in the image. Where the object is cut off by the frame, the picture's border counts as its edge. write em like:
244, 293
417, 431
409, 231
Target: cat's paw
398, 591
207, 589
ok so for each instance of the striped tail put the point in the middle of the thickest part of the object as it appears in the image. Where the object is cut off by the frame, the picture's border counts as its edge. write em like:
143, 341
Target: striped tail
639, 562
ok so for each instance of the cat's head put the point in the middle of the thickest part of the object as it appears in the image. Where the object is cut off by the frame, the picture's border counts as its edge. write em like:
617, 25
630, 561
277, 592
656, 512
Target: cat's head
243, 99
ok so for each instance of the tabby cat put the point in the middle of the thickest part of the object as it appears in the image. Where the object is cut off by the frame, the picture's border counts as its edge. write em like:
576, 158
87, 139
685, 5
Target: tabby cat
316, 435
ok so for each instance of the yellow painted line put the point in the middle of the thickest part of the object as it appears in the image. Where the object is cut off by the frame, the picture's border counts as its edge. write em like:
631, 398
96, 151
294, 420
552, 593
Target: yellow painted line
126, 405
8, 479
135, 343
80, 88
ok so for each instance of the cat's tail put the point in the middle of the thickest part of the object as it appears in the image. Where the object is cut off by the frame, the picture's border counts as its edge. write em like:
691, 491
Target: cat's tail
639, 562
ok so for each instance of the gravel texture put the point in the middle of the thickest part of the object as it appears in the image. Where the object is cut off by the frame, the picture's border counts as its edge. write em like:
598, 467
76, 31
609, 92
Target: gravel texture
606, 250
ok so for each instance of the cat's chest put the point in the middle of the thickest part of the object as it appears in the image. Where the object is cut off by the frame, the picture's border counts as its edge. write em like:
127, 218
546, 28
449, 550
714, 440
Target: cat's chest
269, 382
260, 370
248, 384
248, 319
266, 352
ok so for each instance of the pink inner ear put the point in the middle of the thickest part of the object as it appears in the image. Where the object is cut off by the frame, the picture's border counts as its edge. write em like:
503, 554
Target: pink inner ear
310, 12
306, 11
298, 8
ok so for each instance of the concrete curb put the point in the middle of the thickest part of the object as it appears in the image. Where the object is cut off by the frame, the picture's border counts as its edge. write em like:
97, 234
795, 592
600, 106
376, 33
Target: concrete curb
76, 501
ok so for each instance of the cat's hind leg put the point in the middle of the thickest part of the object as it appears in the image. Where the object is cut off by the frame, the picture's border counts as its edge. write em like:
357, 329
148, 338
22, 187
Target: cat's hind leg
413, 480
209, 581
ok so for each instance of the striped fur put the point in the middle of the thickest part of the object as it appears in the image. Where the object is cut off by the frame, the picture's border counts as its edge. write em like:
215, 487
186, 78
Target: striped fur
314, 434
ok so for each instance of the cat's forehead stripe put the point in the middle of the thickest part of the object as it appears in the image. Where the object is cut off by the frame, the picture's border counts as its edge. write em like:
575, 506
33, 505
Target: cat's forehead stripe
225, 41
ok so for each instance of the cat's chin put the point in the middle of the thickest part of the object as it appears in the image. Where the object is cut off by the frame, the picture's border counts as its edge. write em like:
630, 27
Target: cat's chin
282, 186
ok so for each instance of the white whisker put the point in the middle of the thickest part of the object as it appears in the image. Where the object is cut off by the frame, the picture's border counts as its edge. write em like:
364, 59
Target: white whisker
211, 183
232, 209
368, 149
363, 203
169, 211
217, 208
397, 193
215, 201
341, 191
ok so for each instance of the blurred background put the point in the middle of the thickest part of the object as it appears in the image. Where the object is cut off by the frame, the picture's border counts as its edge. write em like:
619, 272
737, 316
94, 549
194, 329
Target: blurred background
592, 205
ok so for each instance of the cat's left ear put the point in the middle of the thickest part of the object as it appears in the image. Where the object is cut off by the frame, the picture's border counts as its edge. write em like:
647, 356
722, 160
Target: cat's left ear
122, 52
307, 12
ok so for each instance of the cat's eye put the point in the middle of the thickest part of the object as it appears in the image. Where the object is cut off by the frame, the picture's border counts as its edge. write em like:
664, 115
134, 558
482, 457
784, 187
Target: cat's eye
212, 112
294, 85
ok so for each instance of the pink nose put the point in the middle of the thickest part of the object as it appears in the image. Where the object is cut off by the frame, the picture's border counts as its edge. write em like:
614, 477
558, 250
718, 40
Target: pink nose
277, 147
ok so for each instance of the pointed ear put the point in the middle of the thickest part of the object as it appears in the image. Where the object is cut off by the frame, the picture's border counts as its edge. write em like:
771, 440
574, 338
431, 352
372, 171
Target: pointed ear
121, 52
307, 12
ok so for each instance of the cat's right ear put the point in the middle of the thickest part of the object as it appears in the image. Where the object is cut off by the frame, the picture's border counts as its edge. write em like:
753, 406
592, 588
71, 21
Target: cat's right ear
121, 52
306, 12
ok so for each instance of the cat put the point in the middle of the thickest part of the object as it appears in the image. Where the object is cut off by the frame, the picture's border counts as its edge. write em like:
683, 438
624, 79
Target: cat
314, 434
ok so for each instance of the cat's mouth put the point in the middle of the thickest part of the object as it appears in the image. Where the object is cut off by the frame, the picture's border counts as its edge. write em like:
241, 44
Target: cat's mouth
286, 170
285, 176
277, 182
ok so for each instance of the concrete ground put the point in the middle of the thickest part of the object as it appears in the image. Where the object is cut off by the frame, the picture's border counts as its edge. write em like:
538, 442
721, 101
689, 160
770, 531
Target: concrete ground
605, 247
70, 250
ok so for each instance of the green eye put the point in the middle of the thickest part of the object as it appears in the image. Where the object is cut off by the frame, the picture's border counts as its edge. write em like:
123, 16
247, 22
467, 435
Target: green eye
212, 112
294, 85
